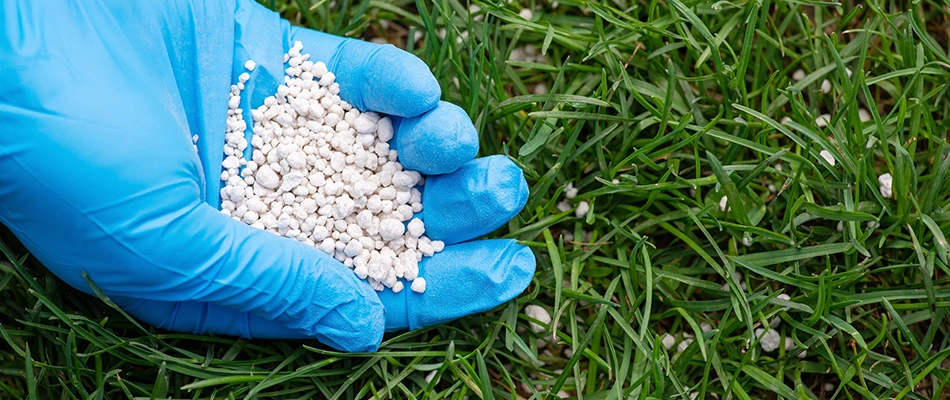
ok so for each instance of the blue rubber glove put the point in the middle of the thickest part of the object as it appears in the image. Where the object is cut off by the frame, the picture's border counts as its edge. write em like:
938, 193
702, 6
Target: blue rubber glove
98, 105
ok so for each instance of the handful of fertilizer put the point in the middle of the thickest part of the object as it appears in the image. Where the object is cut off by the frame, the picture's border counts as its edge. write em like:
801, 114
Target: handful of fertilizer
321, 172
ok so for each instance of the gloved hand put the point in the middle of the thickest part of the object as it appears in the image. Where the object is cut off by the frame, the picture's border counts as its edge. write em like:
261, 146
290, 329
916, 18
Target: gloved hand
98, 105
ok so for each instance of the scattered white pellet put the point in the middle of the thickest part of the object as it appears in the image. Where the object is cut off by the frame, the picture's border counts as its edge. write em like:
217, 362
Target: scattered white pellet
418, 285
789, 343
772, 188
526, 14
683, 344
886, 182
785, 120
798, 75
538, 313
840, 227
768, 339
322, 173
823, 120
563, 205
829, 387
783, 296
871, 141
570, 191
864, 115
827, 156
474, 9
723, 203
705, 327
746, 241
668, 341
563, 394
582, 209
540, 88
430, 376
826, 86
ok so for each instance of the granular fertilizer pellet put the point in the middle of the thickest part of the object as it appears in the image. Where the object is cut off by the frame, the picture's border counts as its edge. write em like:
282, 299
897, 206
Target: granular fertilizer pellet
321, 172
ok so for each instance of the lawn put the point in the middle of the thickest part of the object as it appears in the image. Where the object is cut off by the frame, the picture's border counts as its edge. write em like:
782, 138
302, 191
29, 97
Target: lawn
730, 236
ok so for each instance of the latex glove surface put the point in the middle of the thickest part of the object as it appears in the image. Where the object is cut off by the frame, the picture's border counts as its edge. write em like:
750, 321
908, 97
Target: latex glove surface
99, 102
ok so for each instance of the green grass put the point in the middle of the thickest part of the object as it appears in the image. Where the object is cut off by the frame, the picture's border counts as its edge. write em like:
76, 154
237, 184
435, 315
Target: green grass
656, 110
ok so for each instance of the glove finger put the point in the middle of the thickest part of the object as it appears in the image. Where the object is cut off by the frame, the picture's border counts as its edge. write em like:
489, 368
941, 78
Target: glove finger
372, 76
437, 142
461, 280
204, 318
473, 201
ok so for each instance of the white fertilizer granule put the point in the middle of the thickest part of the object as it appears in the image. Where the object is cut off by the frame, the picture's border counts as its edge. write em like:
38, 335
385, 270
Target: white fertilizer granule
430, 376
768, 339
582, 209
538, 313
668, 341
570, 191
321, 172
825, 154
798, 75
887, 185
684, 344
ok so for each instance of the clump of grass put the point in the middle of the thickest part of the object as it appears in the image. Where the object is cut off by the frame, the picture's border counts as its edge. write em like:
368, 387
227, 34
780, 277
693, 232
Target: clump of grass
655, 110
